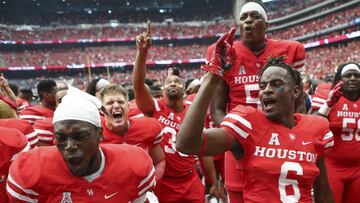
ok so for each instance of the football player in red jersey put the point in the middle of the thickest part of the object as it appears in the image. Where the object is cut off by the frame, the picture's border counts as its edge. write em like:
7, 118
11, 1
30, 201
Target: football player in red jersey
78, 169
47, 90
342, 108
12, 142
240, 84
180, 182
282, 150
118, 128
44, 127
8, 119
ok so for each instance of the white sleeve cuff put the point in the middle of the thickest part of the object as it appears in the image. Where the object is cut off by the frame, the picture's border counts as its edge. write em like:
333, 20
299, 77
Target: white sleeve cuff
324, 109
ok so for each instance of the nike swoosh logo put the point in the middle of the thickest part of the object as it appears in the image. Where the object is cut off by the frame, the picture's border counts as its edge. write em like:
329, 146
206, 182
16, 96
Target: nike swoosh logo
109, 196
306, 143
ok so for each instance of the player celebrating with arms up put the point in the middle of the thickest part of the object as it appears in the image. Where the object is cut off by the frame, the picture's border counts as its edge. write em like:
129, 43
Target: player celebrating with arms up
281, 149
342, 108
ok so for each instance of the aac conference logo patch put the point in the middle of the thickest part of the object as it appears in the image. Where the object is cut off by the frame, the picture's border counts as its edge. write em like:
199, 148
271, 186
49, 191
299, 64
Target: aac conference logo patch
66, 197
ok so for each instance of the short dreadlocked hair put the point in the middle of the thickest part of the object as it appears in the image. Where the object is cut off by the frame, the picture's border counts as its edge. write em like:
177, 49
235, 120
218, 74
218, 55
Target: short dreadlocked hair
279, 62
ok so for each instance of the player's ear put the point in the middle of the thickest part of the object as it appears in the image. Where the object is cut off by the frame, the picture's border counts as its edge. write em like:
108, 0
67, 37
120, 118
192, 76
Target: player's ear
297, 91
266, 26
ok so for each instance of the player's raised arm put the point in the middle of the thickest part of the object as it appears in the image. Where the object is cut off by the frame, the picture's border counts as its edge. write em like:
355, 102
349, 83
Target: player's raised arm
142, 91
191, 139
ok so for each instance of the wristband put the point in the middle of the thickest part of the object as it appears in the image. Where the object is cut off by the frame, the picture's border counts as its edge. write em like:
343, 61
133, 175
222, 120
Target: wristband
324, 109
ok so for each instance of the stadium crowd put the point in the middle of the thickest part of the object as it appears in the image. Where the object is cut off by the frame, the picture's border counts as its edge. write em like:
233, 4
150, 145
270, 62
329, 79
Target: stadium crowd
176, 30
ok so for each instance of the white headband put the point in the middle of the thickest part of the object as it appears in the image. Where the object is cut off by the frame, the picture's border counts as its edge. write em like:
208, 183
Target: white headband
78, 105
350, 67
252, 6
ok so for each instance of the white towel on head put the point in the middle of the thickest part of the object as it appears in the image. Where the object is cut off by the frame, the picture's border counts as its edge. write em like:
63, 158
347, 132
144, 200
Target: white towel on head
78, 105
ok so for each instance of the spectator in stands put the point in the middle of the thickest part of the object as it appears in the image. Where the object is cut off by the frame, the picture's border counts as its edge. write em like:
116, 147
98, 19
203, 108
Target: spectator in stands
96, 85
47, 90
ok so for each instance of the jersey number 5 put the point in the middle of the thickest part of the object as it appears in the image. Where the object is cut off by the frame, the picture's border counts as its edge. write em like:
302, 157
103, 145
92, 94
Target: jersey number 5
284, 182
347, 133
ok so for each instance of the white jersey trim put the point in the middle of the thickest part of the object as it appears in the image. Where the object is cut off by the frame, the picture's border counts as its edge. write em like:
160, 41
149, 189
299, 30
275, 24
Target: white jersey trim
147, 177
152, 183
157, 107
240, 119
238, 130
20, 197
27, 191
25, 149
31, 117
45, 132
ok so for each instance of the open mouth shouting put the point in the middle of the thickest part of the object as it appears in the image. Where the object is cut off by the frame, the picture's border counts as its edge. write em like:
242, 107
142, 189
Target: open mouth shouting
268, 104
117, 116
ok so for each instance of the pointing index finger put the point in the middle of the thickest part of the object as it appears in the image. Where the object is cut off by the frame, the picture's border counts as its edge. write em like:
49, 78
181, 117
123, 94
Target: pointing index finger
148, 28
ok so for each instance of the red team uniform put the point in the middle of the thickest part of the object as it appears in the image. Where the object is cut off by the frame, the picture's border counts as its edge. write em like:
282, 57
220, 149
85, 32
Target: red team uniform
180, 182
34, 113
279, 163
134, 111
41, 175
143, 132
319, 98
24, 127
12, 142
45, 130
343, 162
242, 81
22, 104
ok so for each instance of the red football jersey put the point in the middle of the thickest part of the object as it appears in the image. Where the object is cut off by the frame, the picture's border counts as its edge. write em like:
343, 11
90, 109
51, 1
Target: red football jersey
121, 178
177, 163
134, 111
45, 130
22, 104
23, 126
243, 85
143, 132
12, 142
34, 113
279, 163
242, 78
344, 120
321, 92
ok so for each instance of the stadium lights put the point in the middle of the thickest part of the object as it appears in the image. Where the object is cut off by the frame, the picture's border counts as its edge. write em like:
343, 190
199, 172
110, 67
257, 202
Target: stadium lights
4, 2
109, 11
